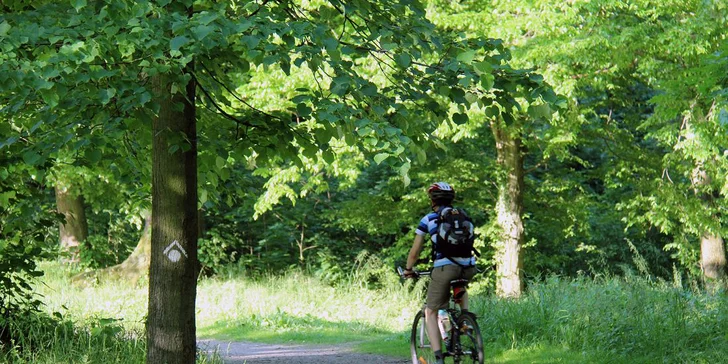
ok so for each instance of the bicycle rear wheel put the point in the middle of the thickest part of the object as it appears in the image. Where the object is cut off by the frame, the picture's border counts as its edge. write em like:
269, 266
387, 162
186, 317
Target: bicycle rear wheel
419, 342
470, 340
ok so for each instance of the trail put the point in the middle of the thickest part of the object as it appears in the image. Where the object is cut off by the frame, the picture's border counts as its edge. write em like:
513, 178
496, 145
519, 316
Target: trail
239, 352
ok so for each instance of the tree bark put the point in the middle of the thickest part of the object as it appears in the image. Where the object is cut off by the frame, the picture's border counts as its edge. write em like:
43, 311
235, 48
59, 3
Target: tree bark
712, 258
134, 267
509, 210
75, 229
174, 265
712, 248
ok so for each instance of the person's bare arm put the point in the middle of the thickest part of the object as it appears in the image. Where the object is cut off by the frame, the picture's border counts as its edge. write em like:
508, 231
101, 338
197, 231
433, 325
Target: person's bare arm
414, 252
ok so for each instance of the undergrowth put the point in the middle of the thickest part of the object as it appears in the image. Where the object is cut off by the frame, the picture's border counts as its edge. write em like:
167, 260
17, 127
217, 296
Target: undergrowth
573, 320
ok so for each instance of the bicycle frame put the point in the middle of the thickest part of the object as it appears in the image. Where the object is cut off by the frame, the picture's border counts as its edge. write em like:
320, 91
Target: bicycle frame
464, 324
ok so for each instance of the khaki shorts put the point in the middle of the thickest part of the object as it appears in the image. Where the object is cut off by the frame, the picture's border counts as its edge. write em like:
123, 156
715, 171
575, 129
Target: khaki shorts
438, 293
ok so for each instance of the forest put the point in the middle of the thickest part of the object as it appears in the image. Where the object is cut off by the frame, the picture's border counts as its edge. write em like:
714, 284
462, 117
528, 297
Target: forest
179, 159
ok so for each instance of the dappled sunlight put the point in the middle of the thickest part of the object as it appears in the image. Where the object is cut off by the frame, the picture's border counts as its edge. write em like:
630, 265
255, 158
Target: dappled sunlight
298, 303
105, 300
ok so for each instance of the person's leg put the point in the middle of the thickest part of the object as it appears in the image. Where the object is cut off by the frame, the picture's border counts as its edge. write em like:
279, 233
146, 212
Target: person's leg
468, 274
438, 293
433, 331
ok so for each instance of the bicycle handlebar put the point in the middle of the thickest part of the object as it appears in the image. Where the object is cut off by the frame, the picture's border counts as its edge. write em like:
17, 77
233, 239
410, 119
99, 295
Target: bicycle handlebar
400, 270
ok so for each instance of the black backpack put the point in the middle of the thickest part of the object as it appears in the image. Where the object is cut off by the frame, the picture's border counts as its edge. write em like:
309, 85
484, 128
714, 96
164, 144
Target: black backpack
455, 234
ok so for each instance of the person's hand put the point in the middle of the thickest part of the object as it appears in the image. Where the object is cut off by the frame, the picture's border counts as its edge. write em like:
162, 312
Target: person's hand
410, 273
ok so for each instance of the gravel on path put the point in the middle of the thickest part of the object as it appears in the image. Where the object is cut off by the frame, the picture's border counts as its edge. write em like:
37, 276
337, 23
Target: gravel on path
238, 352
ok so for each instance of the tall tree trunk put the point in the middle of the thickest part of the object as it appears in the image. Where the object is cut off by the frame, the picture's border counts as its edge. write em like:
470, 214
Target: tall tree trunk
74, 230
174, 266
509, 209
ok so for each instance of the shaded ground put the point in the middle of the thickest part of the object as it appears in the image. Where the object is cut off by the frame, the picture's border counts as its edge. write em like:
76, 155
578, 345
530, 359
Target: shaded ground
238, 352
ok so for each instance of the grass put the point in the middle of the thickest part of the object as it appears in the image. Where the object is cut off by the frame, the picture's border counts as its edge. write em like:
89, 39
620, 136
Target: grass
606, 320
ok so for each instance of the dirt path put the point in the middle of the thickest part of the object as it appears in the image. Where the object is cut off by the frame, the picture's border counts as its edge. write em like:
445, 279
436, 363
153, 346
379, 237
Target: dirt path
238, 352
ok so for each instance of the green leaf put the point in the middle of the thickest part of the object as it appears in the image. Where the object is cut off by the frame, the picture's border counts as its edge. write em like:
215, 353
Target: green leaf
466, 57
203, 196
535, 77
219, 162
369, 90
421, 156
723, 118
561, 103
389, 46
403, 60
78, 4
177, 42
340, 85
303, 109
460, 118
379, 158
50, 97
92, 155
202, 31
404, 172
301, 98
539, 111
364, 131
492, 111
328, 156
483, 67
31, 157
106, 95
486, 81
4, 28
350, 139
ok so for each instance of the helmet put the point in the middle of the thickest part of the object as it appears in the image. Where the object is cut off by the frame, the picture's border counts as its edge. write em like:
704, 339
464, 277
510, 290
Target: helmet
441, 191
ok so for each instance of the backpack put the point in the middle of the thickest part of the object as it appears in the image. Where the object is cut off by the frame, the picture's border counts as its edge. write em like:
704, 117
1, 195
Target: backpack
455, 233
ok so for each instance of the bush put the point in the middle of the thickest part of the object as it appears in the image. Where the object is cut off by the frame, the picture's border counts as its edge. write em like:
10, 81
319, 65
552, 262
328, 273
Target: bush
26, 227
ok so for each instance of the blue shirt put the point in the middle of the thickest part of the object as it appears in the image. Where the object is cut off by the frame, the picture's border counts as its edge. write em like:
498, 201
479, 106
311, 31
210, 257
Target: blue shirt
429, 225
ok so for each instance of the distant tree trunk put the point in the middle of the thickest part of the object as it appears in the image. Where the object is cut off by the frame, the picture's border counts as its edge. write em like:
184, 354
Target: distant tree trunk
132, 268
712, 247
509, 209
174, 265
712, 258
75, 229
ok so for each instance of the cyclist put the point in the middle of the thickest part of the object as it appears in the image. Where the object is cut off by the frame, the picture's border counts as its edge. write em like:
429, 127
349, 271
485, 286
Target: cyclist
444, 269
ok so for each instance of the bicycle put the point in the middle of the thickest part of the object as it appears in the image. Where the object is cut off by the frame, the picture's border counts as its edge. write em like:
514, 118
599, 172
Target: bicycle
464, 326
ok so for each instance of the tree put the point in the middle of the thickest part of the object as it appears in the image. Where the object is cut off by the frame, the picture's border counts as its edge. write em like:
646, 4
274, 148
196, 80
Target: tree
638, 73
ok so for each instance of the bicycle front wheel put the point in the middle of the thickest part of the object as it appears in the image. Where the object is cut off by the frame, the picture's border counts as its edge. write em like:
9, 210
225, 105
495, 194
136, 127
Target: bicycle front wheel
419, 342
470, 348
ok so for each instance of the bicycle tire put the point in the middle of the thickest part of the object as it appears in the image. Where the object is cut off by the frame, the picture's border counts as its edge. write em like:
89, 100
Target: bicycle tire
470, 341
419, 342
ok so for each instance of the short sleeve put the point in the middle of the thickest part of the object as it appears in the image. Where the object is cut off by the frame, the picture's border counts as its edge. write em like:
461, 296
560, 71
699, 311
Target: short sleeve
422, 227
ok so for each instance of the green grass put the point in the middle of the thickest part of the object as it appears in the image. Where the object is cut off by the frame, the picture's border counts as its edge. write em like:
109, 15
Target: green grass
608, 320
